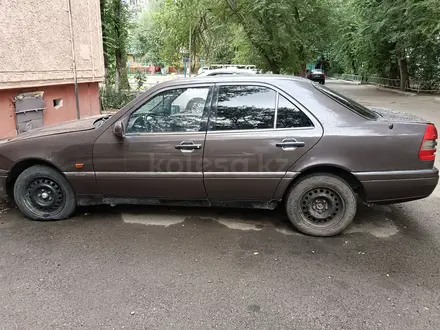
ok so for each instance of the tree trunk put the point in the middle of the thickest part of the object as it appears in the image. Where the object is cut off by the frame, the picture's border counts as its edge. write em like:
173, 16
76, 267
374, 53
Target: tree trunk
302, 61
117, 80
404, 75
121, 78
394, 71
194, 55
104, 37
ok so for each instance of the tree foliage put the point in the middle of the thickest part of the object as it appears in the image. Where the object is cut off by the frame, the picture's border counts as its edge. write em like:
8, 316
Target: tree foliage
390, 38
284, 33
396, 39
279, 35
115, 19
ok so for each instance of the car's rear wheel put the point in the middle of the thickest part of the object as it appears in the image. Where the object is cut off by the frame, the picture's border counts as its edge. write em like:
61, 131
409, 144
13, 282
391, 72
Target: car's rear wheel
321, 205
43, 193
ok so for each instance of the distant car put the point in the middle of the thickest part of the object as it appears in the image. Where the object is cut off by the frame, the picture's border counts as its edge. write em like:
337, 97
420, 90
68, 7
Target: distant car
317, 75
229, 71
249, 67
247, 141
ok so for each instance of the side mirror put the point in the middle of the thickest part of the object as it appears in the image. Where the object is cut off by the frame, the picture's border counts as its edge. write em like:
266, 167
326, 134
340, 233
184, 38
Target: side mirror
118, 129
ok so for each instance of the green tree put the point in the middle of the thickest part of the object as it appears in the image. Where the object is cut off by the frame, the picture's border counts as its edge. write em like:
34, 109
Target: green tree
396, 39
115, 18
284, 33
390, 38
147, 38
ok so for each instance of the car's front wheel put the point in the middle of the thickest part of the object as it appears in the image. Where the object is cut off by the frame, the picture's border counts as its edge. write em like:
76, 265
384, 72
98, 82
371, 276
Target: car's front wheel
321, 205
43, 193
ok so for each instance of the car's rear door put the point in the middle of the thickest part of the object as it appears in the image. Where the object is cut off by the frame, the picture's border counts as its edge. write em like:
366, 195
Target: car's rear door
255, 133
160, 156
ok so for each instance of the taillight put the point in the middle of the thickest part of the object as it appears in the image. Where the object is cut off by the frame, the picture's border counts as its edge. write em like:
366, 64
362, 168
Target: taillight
429, 143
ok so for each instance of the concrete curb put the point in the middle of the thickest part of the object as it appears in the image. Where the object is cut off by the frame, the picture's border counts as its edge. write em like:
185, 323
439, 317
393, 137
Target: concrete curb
437, 99
347, 81
384, 89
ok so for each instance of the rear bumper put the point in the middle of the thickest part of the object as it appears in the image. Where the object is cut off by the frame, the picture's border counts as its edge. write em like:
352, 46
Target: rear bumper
3, 190
398, 186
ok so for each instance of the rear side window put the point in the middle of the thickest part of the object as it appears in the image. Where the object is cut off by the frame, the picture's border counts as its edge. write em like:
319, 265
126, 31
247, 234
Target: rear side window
348, 103
290, 116
245, 108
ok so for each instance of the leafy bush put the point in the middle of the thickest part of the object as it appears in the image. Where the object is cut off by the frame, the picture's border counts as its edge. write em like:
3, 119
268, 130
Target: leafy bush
113, 100
140, 78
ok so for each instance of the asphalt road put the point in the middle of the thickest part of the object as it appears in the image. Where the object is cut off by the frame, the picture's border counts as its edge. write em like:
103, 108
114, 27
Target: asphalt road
183, 268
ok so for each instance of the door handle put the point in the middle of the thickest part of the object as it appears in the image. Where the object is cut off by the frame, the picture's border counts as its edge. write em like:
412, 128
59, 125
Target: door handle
290, 144
188, 146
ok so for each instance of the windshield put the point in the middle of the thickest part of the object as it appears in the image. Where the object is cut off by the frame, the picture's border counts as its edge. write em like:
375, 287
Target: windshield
347, 102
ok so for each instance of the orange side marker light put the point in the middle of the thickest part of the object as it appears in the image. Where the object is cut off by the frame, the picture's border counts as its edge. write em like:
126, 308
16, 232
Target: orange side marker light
79, 166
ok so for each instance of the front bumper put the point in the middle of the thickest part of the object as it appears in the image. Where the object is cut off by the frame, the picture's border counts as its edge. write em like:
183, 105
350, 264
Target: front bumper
398, 186
3, 190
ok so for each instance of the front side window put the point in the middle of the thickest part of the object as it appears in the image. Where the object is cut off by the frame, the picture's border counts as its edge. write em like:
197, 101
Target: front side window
245, 108
290, 116
177, 110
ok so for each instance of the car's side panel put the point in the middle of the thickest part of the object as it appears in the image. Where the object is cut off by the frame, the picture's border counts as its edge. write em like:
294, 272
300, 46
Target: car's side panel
151, 164
65, 152
247, 164
369, 147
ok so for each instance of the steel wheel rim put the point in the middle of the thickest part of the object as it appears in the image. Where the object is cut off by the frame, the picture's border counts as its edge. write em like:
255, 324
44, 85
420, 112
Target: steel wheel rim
44, 195
322, 206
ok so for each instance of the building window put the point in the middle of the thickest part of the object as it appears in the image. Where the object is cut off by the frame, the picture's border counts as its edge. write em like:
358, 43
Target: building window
57, 103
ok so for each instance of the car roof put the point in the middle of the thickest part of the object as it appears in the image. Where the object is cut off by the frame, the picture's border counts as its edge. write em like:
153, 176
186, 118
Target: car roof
300, 89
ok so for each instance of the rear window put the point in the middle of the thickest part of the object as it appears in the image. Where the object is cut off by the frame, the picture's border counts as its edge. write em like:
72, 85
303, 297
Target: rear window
348, 103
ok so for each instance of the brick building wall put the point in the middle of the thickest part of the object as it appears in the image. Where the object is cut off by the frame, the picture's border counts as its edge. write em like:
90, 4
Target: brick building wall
39, 42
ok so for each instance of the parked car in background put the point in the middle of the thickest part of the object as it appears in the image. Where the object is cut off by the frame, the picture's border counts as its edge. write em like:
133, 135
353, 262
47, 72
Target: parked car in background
251, 141
228, 71
211, 67
317, 75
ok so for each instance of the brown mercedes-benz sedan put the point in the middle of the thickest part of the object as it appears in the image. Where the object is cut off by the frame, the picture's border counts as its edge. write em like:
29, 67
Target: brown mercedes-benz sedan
240, 141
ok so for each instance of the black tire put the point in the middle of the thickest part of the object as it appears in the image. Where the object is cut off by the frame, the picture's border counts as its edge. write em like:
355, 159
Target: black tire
321, 205
43, 193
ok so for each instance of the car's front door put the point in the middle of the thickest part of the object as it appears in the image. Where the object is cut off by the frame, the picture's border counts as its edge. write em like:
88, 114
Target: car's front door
160, 155
255, 134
